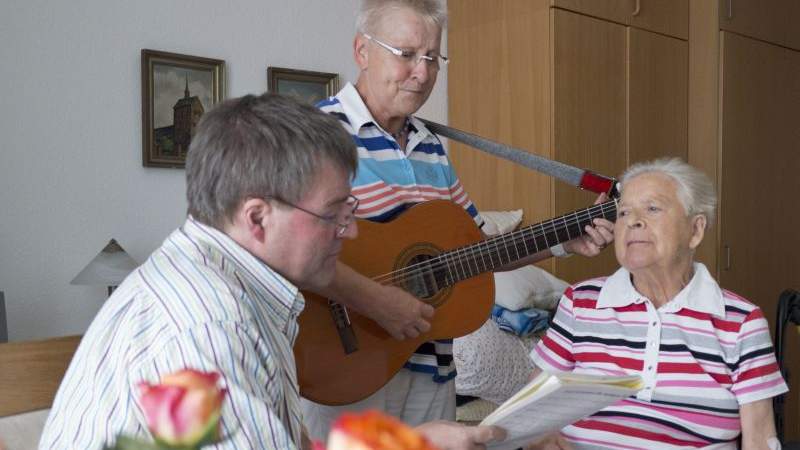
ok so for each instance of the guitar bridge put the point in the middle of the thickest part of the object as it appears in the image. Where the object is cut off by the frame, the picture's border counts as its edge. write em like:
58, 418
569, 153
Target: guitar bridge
343, 326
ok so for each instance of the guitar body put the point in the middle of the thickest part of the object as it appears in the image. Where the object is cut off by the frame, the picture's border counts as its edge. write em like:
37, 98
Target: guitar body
326, 373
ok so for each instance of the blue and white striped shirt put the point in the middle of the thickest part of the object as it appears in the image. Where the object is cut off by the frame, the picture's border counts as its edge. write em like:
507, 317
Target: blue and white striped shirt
200, 301
390, 180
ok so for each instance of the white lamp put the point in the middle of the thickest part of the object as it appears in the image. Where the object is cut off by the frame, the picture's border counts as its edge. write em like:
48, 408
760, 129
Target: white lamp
108, 268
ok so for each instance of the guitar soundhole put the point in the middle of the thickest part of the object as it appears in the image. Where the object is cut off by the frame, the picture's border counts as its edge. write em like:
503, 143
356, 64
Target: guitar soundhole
420, 280
419, 271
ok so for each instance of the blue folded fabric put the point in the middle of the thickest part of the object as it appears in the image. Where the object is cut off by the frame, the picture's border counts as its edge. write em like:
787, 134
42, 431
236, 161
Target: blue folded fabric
524, 322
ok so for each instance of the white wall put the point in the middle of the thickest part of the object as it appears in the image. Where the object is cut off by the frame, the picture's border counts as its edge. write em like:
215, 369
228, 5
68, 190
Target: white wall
71, 174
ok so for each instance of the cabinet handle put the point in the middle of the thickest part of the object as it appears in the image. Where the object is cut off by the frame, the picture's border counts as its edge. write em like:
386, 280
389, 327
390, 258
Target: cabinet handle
637, 8
730, 9
727, 257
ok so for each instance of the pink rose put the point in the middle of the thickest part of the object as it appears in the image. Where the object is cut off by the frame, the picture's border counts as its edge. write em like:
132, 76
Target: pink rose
184, 409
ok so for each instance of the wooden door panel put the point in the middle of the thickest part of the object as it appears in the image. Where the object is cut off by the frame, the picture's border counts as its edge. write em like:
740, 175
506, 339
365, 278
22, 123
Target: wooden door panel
498, 86
589, 110
670, 17
775, 21
658, 96
619, 11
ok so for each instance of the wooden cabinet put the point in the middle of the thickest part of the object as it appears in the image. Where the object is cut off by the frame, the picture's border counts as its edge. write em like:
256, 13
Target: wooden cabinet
588, 92
744, 108
670, 17
588, 83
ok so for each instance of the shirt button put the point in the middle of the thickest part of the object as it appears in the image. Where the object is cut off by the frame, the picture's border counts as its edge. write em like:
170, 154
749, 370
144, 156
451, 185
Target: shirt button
649, 367
654, 324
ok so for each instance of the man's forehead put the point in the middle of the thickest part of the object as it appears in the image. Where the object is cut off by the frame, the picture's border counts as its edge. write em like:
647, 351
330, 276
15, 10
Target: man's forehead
393, 19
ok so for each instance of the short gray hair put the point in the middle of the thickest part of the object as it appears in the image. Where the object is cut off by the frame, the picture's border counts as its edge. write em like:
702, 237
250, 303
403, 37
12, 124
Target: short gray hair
372, 11
260, 146
695, 190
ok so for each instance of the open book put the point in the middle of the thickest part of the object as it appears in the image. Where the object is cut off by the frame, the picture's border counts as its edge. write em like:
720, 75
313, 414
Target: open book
552, 401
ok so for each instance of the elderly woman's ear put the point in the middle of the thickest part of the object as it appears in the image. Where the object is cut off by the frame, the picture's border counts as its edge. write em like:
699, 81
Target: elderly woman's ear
699, 222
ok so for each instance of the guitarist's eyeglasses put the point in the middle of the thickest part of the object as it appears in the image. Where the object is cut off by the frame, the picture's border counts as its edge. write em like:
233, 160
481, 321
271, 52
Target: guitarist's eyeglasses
340, 221
410, 57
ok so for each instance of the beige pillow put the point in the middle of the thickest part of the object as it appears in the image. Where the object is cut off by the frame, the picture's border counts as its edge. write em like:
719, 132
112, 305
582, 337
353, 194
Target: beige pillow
499, 222
527, 287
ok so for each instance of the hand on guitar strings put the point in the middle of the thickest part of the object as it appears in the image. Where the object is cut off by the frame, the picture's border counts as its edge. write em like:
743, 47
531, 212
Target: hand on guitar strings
596, 238
401, 314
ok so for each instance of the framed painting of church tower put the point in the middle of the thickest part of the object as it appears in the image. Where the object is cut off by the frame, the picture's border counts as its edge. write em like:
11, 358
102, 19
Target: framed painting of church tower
176, 91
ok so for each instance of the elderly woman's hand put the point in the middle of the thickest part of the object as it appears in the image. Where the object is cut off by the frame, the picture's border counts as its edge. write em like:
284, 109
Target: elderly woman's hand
597, 237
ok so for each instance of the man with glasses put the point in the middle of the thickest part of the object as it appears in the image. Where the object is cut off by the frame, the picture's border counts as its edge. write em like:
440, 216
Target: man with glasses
398, 50
268, 189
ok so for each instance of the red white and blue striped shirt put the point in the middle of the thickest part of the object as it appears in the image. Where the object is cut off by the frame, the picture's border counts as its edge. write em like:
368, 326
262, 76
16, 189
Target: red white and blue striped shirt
701, 356
391, 179
200, 301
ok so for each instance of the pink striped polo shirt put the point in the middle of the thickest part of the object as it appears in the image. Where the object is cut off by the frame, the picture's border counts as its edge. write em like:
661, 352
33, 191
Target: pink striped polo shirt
701, 356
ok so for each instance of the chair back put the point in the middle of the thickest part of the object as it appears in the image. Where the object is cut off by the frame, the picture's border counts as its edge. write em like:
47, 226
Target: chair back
31, 371
788, 312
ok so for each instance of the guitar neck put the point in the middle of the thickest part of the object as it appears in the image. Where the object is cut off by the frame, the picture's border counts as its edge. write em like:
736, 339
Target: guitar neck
466, 262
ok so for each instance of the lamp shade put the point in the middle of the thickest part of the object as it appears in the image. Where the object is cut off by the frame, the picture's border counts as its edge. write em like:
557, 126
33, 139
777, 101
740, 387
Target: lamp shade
108, 268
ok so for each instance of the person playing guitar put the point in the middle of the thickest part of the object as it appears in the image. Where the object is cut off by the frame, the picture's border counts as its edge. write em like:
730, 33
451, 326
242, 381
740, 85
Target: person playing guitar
401, 163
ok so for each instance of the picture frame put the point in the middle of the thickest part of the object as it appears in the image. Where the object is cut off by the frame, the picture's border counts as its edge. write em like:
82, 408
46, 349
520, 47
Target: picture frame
176, 91
305, 85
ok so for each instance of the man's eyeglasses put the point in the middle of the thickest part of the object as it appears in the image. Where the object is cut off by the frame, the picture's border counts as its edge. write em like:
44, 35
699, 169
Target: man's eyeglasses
341, 221
411, 57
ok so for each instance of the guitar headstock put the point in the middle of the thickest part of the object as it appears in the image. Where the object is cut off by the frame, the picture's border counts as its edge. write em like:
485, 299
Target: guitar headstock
600, 184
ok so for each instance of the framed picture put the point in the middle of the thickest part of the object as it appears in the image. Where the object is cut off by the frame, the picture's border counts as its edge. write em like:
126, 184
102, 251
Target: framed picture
305, 85
176, 91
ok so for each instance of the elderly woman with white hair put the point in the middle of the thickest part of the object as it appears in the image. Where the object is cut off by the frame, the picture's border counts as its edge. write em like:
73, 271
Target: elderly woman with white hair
704, 353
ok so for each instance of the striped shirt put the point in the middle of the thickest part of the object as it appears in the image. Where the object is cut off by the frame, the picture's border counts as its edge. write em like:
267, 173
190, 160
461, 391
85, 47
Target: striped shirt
701, 356
390, 180
200, 301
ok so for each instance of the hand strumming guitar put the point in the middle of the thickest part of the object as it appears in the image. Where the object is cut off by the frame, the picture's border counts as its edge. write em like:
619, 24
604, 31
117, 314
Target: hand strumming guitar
399, 313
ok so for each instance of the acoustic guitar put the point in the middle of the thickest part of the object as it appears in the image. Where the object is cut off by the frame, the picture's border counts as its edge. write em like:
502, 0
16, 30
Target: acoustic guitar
434, 251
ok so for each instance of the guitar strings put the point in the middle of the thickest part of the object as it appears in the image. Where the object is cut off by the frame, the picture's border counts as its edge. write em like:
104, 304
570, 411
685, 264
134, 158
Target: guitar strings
461, 257
502, 241
464, 257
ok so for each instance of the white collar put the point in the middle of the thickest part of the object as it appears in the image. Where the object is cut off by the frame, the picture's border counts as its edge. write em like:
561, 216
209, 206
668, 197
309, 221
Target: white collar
701, 294
358, 114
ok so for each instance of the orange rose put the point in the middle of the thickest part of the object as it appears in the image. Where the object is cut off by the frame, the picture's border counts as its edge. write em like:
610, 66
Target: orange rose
373, 430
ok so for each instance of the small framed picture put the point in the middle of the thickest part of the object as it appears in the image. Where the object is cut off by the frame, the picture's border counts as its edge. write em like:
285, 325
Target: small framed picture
305, 85
176, 91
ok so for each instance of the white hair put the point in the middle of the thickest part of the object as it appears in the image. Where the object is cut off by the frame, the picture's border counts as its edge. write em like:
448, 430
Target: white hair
372, 11
695, 190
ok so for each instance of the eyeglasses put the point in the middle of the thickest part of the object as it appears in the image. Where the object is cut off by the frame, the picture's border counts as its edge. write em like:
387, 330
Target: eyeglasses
340, 221
411, 57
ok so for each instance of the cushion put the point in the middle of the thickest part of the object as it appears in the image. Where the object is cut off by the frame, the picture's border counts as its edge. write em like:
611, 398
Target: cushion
23, 431
499, 222
527, 287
